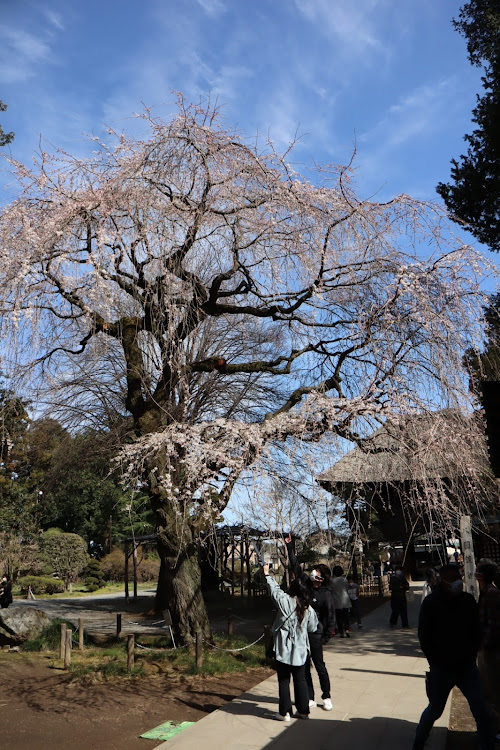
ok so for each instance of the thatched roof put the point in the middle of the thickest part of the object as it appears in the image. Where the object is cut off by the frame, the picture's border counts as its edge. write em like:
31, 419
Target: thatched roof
421, 448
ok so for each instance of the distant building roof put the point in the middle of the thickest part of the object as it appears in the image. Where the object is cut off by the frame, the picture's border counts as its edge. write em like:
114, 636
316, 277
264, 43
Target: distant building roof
436, 445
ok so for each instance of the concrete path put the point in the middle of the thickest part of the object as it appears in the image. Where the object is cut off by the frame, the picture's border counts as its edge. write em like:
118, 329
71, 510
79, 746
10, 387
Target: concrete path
378, 694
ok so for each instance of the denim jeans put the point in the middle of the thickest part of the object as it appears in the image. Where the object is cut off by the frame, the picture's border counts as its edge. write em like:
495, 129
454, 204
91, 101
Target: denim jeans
440, 681
316, 656
284, 672
355, 613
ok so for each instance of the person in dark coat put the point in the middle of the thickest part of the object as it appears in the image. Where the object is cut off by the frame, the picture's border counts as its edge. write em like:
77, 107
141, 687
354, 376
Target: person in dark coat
398, 586
321, 601
489, 651
5, 592
449, 635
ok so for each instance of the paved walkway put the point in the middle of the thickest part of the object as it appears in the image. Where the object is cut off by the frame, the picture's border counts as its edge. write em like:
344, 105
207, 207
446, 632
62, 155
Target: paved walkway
378, 694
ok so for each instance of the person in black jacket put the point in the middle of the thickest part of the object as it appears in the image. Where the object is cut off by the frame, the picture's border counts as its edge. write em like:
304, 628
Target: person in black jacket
322, 602
449, 635
5, 592
398, 586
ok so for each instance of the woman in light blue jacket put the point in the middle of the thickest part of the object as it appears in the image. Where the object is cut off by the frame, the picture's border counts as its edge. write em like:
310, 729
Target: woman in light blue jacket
294, 621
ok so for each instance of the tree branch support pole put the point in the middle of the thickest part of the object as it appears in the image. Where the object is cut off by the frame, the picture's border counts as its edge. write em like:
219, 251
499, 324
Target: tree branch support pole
230, 621
199, 649
80, 634
130, 652
118, 624
62, 648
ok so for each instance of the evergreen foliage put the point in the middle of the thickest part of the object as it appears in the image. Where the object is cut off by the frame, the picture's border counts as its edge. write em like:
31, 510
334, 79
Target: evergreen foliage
473, 195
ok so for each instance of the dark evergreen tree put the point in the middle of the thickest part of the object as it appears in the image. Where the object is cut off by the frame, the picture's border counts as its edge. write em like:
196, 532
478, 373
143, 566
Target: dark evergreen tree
473, 194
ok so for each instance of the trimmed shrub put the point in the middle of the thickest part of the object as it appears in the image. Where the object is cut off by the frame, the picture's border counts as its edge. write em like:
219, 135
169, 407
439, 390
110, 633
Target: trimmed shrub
93, 576
41, 585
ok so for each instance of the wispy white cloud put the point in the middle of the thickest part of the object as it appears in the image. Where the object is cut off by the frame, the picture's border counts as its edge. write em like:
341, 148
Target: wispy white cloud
55, 19
21, 53
349, 25
415, 114
212, 7
397, 148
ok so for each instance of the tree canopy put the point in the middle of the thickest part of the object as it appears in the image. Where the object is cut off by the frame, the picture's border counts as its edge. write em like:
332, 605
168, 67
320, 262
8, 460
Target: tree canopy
195, 285
473, 194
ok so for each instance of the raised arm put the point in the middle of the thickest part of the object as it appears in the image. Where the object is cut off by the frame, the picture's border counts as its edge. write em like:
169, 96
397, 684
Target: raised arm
292, 558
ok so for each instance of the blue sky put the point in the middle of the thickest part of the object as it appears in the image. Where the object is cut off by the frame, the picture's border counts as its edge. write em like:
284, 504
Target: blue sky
391, 74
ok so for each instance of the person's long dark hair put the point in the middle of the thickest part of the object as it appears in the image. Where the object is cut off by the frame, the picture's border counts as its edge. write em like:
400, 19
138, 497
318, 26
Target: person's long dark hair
299, 591
325, 573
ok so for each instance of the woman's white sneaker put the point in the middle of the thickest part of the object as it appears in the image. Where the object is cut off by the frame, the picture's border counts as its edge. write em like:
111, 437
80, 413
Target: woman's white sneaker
327, 704
312, 704
280, 717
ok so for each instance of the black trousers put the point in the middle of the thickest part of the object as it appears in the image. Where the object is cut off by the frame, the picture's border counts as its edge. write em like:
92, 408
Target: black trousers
399, 608
439, 684
342, 617
316, 656
284, 672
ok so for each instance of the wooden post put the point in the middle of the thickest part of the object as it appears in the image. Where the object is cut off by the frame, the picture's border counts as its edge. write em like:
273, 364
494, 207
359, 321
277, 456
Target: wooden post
242, 566
118, 624
268, 637
130, 652
126, 572
80, 634
470, 584
229, 622
62, 649
247, 561
233, 543
67, 650
134, 566
199, 649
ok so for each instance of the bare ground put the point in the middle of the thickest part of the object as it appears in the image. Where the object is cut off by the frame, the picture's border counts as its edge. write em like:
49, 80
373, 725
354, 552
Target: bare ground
41, 708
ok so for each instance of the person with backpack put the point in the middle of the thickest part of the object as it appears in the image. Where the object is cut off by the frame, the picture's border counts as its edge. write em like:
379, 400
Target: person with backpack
294, 622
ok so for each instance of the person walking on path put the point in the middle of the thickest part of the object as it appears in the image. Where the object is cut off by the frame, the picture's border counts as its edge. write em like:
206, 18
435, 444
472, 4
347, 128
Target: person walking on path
449, 636
5, 592
353, 591
398, 586
489, 652
341, 601
321, 600
294, 621
430, 583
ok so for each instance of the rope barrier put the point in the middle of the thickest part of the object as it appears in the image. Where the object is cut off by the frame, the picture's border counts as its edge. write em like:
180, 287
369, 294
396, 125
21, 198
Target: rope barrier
148, 648
243, 648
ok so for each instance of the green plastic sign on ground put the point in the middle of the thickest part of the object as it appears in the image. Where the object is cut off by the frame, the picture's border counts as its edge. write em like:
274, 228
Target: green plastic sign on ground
167, 730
